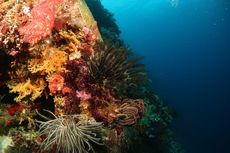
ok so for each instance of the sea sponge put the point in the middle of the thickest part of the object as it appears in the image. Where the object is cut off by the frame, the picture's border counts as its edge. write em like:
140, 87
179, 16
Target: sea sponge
40, 23
51, 60
33, 89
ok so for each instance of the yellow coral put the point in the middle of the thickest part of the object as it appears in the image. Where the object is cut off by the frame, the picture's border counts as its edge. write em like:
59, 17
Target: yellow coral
24, 89
85, 108
51, 61
73, 40
59, 105
26, 115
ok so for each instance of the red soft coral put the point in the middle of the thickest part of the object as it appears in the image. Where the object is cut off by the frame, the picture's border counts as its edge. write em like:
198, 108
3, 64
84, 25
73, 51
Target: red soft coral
12, 109
41, 22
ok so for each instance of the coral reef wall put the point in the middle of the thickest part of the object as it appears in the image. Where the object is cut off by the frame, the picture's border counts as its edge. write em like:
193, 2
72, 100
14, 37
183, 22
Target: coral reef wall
69, 84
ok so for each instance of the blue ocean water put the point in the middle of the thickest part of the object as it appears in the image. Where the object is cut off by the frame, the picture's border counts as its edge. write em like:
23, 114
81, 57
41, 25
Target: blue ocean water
186, 44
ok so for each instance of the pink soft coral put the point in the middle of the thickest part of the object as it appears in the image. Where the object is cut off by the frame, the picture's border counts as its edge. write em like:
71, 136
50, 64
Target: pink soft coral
41, 22
83, 95
89, 38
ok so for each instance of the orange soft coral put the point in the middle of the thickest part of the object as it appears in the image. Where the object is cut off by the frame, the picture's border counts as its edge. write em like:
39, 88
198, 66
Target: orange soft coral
31, 89
51, 61
56, 83
78, 41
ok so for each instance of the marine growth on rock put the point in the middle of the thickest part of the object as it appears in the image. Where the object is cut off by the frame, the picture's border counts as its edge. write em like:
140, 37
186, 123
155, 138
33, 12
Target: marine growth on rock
66, 86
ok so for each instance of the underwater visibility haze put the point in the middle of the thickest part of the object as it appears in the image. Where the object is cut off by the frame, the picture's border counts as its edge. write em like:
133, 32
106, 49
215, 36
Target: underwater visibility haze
186, 48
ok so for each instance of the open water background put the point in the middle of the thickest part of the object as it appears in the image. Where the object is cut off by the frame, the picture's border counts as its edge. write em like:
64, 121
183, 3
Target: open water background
186, 44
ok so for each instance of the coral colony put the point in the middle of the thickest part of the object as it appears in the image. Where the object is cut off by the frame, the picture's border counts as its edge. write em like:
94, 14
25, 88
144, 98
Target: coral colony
67, 87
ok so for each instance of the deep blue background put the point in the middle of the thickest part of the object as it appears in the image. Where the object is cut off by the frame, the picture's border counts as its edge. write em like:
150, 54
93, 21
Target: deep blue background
187, 53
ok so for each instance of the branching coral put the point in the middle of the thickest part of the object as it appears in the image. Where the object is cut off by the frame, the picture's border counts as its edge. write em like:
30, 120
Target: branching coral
112, 66
56, 83
78, 41
59, 105
6, 5
10, 39
18, 70
70, 133
52, 60
72, 38
30, 88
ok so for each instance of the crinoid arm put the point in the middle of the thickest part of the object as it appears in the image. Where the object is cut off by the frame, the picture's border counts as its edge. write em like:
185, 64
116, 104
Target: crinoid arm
69, 133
